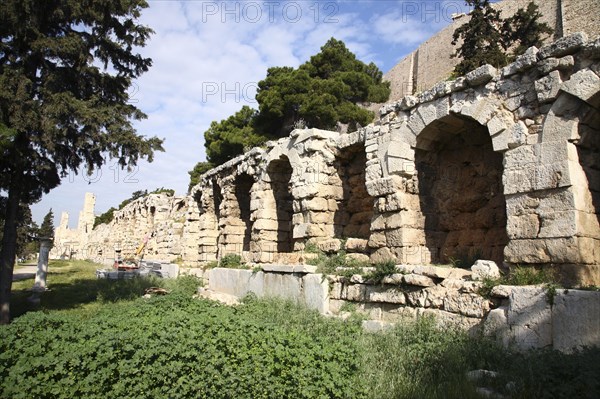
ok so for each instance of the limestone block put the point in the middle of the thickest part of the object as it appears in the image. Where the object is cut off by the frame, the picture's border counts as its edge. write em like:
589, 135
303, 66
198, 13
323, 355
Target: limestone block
287, 286
330, 245
316, 292
441, 272
575, 321
563, 46
481, 75
435, 296
385, 186
404, 134
417, 298
496, 324
375, 293
583, 84
354, 292
373, 172
393, 279
550, 250
407, 102
377, 240
400, 158
558, 224
266, 224
483, 269
336, 290
446, 320
529, 317
523, 226
547, 87
467, 304
356, 245
501, 291
418, 280
382, 254
453, 283
315, 204
405, 236
522, 63
481, 111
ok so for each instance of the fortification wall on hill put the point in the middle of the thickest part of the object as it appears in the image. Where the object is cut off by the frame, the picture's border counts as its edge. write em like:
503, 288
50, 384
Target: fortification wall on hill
432, 62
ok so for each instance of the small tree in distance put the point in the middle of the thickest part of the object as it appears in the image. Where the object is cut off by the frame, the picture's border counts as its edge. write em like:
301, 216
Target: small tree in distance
47, 228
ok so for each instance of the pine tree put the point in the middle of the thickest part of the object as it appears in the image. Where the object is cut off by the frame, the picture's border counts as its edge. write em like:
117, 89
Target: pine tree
47, 228
323, 91
481, 39
65, 70
486, 37
523, 30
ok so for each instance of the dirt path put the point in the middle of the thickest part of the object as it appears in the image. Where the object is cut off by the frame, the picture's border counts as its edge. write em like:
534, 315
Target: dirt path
24, 272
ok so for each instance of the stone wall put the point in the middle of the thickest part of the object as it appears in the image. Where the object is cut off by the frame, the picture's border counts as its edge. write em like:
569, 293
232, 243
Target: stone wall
432, 62
498, 164
156, 220
524, 317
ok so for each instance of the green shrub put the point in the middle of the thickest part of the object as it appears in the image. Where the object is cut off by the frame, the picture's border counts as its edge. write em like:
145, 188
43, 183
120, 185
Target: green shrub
231, 261
178, 347
382, 269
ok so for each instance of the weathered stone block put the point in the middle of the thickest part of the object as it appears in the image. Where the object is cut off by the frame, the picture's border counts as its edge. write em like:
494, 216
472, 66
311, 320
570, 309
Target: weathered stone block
529, 316
418, 280
547, 88
316, 292
385, 294
575, 321
471, 305
583, 84
563, 46
481, 75
483, 269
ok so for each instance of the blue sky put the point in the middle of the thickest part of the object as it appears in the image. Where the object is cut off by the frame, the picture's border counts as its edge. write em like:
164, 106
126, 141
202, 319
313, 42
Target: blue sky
209, 55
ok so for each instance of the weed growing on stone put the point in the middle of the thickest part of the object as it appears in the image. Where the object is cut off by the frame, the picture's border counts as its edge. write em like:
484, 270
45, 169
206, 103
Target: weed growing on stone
382, 270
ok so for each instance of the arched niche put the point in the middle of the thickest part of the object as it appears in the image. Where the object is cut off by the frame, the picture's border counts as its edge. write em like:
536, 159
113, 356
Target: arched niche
460, 191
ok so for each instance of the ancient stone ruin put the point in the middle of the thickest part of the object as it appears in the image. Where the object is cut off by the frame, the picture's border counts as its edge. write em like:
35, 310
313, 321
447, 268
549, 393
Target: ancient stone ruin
499, 165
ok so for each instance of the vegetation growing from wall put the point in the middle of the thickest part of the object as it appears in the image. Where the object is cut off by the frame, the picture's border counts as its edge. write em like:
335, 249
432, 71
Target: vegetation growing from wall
486, 37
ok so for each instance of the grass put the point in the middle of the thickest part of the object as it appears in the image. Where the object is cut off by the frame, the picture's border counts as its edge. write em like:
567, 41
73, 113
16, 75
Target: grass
73, 284
294, 349
523, 276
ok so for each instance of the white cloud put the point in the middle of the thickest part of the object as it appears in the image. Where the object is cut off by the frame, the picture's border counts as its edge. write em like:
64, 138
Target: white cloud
192, 51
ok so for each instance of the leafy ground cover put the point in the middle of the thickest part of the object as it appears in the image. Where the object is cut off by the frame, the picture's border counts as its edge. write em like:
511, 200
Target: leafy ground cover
115, 344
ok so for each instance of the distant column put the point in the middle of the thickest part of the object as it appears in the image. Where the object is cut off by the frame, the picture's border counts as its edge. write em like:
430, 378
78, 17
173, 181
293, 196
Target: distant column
42, 270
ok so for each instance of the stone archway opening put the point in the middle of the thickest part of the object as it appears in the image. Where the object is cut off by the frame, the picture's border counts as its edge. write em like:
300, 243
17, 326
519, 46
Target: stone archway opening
355, 209
460, 192
280, 173
217, 201
588, 150
243, 186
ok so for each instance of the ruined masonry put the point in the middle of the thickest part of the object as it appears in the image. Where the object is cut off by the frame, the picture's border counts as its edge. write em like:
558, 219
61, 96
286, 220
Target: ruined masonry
499, 165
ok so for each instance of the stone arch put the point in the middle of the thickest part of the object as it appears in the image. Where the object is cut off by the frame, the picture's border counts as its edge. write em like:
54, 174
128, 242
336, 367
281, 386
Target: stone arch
461, 196
242, 188
217, 203
280, 173
353, 217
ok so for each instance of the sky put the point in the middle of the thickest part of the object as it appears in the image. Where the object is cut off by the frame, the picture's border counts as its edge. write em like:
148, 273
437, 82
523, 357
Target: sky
207, 59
